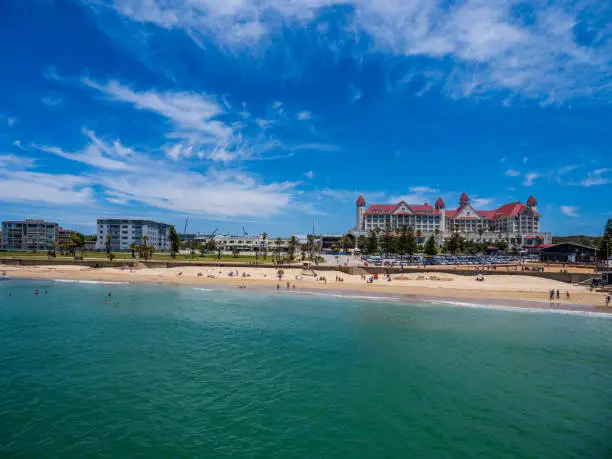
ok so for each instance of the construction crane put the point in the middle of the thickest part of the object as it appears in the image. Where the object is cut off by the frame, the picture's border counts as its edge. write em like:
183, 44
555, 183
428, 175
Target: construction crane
244, 232
215, 231
185, 228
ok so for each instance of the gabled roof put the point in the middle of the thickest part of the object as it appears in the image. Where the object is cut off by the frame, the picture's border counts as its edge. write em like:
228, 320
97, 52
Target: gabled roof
531, 200
464, 197
381, 208
439, 204
361, 201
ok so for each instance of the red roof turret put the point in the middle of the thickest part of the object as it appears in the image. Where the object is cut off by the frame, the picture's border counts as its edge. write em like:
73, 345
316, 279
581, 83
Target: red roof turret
361, 201
532, 201
464, 198
439, 204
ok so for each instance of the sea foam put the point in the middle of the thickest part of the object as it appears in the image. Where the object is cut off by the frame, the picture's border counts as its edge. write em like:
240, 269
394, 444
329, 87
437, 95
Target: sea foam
74, 281
462, 304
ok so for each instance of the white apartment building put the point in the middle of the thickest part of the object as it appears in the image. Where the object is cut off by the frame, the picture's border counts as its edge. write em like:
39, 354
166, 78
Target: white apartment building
127, 231
246, 243
516, 223
29, 235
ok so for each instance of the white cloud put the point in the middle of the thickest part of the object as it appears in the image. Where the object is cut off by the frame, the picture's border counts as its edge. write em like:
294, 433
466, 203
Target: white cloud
16, 161
231, 193
50, 101
11, 121
482, 202
530, 178
597, 177
309, 174
97, 153
512, 173
422, 189
570, 211
316, 146
23, 186
525, 159
494, 45
351, 195
302, 116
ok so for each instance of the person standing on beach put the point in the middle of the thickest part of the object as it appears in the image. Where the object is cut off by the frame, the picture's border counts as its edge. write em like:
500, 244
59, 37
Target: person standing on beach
551, 295
557, 294
608, 300
277, 288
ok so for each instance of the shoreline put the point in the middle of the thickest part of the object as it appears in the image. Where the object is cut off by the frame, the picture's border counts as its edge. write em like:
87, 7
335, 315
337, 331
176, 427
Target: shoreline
496, 290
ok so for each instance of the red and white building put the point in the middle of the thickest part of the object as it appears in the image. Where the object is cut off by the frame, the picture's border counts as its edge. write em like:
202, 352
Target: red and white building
516, 223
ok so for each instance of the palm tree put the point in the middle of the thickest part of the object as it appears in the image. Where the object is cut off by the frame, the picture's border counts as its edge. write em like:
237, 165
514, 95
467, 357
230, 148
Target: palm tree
133, 249
175, 241
265, 245
109, 239
278, 249
292, 247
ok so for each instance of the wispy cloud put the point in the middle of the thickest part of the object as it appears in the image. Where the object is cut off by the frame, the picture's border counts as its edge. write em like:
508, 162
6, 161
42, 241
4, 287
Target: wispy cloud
25, 186
11, 121
494, 46
512, 173
597, 177
423, 189
315, 146
351, 195
309, 174
16, 161
303, 116
51, 101
530, 178
482, 202
97, 153
570, 211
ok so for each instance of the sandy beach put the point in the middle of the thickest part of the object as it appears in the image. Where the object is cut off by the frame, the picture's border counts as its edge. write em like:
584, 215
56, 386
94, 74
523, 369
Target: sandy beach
530, 291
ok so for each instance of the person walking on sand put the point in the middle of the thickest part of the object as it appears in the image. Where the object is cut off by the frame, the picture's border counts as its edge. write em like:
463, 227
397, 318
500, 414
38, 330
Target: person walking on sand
557, 294
608, 300
567, 295
277, 288
551, 295
288, 286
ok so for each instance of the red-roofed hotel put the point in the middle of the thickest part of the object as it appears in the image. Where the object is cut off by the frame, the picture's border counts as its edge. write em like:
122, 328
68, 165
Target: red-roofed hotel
516, 223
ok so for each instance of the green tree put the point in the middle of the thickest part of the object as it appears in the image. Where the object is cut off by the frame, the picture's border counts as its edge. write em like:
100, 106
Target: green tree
362, 243
347, 243
175, 241
411, 243
388, 239
605, 244
278, 249
111, 256
401, 244
109, 240
455, 243
501, 245
265, 245
293, 243
51, 253
372, 243
77, 242
211, 245
133, 248
430, 246
311, 245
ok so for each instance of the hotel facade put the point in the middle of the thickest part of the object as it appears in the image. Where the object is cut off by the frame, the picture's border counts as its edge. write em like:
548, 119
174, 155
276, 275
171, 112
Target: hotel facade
516, 223
127, 231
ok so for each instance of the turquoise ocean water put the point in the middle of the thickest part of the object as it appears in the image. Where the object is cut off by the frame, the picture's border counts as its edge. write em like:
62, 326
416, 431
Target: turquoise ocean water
179, 372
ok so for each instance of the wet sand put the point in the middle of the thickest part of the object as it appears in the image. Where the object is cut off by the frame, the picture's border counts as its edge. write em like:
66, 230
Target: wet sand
522, 291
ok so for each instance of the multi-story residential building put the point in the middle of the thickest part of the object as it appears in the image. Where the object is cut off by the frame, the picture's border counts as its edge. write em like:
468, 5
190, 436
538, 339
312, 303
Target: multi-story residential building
516, 223
247, 243
127, 231
64, 236
29, 235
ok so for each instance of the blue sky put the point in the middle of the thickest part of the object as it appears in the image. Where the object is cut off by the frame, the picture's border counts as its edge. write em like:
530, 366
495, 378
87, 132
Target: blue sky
267, 113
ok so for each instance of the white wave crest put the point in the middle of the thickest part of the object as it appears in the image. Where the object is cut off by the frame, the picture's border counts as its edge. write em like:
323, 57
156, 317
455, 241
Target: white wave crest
74, 281
353, 297
569, 312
